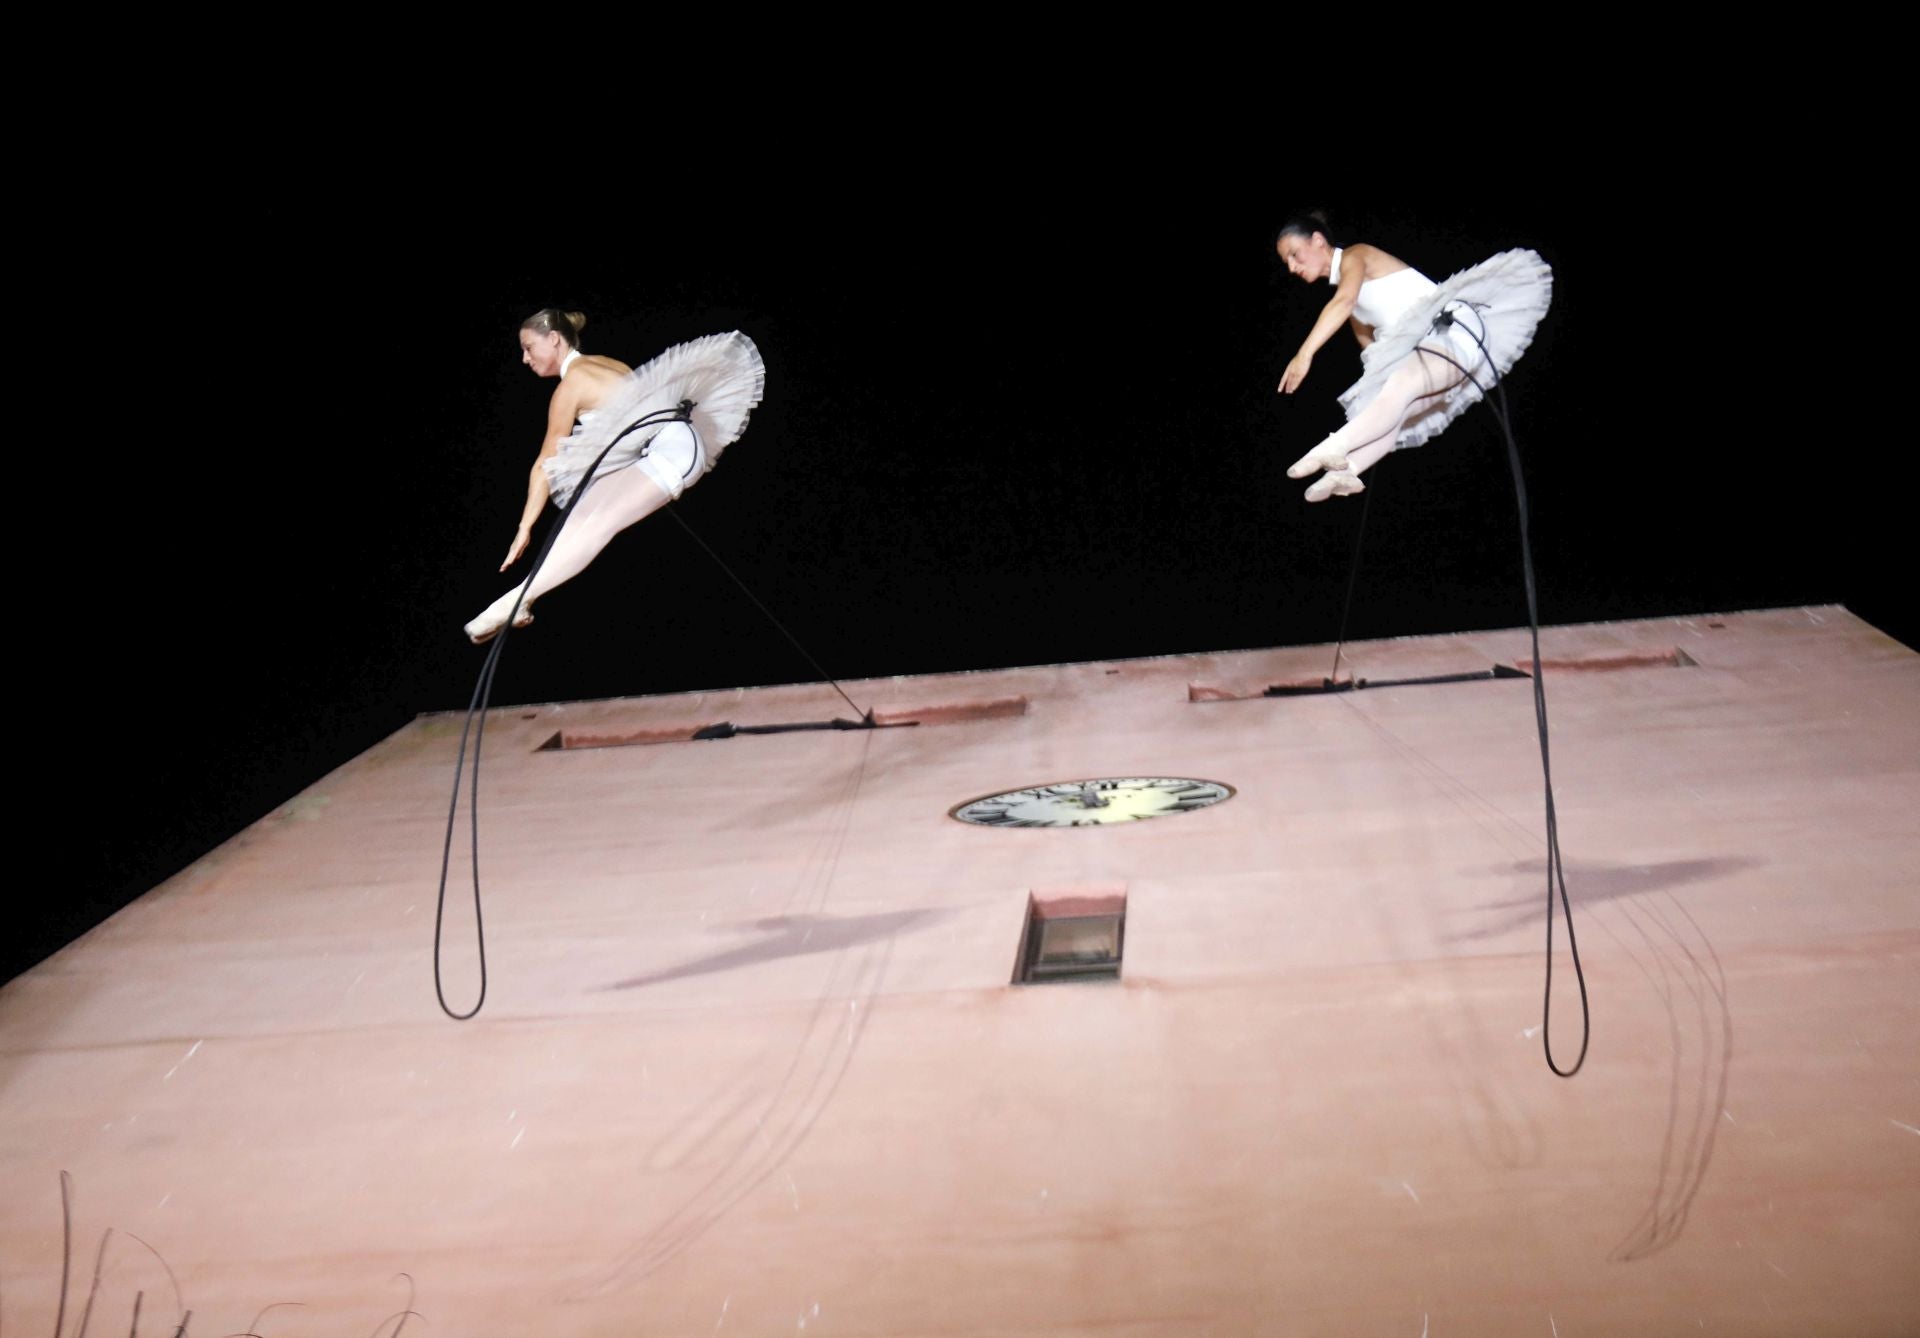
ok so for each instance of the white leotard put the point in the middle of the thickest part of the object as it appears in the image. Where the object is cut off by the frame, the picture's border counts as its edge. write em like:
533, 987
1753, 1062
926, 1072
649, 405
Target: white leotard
1384, 300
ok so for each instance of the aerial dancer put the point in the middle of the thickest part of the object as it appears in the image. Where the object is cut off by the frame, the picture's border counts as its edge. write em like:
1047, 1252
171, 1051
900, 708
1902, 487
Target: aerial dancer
689, 404
1428, 350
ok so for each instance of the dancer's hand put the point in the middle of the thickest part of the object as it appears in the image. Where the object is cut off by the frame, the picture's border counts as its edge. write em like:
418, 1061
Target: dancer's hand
519, 547
1296, 373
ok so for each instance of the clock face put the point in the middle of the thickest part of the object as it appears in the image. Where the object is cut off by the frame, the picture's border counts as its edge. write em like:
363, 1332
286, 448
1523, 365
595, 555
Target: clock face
1093, 803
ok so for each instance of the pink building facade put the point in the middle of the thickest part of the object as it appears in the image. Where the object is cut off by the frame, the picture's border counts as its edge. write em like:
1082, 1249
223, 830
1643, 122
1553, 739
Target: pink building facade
752, 1060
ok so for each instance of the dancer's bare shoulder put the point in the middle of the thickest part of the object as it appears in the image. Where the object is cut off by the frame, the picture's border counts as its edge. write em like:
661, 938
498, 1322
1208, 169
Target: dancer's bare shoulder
588, 380
1374, 263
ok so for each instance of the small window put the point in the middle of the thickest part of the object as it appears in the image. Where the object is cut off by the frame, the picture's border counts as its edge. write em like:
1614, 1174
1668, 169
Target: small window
1073, 935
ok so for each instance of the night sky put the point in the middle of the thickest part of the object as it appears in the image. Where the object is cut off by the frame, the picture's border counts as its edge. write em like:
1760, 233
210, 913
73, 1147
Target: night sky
1018, 411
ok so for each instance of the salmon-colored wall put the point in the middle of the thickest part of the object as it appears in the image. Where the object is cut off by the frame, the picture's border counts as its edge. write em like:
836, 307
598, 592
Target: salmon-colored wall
750, 1062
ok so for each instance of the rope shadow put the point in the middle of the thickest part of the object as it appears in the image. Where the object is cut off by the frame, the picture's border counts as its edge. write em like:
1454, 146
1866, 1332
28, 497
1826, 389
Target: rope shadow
1679, 961
822, 1053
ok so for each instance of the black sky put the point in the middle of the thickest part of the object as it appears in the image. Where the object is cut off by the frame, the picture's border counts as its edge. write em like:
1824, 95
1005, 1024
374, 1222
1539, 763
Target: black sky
1018, 411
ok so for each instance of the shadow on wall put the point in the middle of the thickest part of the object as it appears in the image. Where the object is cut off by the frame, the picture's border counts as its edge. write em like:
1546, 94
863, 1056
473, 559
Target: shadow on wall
760, 1114
1636, 908
1591, 884
793, 936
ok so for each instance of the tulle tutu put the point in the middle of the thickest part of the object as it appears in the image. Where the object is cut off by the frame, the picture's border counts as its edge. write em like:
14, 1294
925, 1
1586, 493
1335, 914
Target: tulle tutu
1510, 292
721, 374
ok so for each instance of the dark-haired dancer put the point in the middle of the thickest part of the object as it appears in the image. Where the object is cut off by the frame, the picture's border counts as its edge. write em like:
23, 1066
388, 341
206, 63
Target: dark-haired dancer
597, 399
1412, 332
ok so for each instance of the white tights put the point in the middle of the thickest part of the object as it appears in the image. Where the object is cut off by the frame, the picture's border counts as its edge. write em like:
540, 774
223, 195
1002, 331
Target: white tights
613, 502
1369, 435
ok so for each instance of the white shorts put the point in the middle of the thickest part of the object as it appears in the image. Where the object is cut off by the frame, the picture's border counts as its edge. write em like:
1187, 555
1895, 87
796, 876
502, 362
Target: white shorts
674, 459
1466, 350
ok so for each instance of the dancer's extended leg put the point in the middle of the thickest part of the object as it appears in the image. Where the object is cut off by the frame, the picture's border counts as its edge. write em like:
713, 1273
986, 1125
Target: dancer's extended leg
612, 503
1369, 434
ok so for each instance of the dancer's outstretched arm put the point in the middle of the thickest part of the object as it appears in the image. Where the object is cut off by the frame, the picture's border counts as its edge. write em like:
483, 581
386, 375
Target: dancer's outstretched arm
1337, 312
564, 408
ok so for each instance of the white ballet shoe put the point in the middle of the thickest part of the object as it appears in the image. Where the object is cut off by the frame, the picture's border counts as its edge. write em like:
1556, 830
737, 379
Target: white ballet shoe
1324, 456
1335, 483
487, 626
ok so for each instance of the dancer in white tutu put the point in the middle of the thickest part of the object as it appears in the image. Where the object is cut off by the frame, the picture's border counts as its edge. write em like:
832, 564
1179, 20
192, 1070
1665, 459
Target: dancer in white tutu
599, 401
1412, 333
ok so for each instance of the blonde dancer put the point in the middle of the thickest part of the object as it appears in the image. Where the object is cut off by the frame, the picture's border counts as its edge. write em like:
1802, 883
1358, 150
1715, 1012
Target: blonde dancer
597, 404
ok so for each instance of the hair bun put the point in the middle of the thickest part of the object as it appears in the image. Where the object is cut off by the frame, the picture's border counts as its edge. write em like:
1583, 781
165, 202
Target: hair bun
1303, 225
552, 320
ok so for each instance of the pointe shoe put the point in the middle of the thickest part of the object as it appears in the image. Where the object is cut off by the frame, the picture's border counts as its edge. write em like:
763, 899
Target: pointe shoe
1323, 456
484, 628
487, 626
1335, 483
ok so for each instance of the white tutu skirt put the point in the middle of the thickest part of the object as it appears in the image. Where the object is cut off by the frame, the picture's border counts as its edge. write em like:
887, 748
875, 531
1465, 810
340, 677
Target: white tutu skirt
721, 374
1509, 294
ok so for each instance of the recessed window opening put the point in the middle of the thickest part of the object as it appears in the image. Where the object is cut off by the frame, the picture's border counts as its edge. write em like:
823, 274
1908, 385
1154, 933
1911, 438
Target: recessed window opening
1328, 685
1610, 661
608, 735
1667, 657
1073, 936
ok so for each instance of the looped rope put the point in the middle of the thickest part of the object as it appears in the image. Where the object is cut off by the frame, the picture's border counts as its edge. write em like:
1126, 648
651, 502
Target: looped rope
1556, 871
483, 693
477, 710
